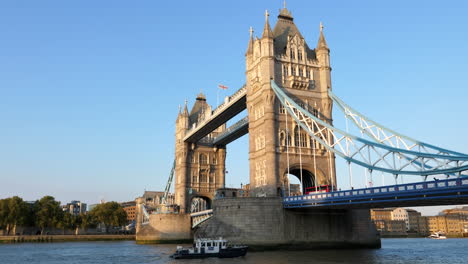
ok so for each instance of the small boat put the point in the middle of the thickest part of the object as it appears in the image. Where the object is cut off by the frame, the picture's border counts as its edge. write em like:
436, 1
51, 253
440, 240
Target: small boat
206, 248
438, 235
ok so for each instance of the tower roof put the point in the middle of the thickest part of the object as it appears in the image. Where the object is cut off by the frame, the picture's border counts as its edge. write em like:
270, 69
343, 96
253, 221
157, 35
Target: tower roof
285, 27
198, 108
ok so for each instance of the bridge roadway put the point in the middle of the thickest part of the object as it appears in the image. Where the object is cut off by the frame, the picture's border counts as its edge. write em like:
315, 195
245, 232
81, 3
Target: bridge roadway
232, 106
440, 192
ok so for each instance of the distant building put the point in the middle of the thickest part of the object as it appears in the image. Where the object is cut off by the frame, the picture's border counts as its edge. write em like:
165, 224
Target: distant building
413, 220
74, 207
395, 221
130, 209
452, 222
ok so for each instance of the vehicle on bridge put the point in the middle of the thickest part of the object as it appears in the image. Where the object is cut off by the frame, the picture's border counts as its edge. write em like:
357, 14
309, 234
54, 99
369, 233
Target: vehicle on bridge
318, 189
205, 248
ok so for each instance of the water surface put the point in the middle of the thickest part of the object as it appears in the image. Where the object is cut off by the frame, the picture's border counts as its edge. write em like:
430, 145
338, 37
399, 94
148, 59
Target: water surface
393, 251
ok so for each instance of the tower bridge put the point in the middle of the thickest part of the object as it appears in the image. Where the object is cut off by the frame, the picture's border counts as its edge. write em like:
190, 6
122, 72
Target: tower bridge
289, 100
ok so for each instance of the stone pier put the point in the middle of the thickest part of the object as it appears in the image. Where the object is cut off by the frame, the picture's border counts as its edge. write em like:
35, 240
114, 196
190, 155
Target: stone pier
262, 223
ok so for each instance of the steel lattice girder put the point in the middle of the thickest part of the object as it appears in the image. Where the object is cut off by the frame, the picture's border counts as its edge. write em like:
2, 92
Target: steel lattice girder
369, 154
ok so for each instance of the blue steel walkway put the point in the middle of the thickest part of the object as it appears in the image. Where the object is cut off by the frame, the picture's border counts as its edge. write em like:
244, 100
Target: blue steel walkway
439, 192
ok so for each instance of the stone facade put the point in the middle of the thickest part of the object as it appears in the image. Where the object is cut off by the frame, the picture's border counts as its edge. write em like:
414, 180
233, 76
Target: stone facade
261, 222
278, 146
200, 168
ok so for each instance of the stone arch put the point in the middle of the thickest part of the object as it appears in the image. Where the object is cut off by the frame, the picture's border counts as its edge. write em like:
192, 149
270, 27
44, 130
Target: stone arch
308, 177
200, 203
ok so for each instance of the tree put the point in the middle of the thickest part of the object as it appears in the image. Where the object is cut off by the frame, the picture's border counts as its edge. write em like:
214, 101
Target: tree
110, 214
48, 213
13, 212
67, 221
86, 221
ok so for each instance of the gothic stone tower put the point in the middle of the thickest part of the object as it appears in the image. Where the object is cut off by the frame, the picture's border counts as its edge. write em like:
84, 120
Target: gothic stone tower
276, 144
200, 168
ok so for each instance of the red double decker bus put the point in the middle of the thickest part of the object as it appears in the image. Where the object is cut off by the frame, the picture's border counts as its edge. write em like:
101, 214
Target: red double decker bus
318, 189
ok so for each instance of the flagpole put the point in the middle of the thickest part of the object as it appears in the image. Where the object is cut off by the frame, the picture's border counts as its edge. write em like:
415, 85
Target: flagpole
217, 98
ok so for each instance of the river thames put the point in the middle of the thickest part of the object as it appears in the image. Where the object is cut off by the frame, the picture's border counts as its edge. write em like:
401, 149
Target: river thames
393, 251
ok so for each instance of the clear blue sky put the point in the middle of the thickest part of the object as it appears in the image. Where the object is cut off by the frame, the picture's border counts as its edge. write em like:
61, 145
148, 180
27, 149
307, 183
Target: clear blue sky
89, 90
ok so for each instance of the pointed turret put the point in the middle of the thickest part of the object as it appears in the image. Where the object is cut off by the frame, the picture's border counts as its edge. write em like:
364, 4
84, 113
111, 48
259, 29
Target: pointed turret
251, 40
185, 113
267, 33
322, 44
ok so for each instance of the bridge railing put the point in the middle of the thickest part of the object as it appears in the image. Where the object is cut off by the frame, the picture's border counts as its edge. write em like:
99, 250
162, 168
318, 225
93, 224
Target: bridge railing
383, 190
228, 102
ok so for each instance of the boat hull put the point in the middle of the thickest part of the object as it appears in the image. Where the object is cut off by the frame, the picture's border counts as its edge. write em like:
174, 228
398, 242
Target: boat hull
224, 253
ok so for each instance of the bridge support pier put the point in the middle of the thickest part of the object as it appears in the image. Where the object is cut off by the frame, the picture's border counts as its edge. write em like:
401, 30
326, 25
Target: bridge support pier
165, 229
262, 223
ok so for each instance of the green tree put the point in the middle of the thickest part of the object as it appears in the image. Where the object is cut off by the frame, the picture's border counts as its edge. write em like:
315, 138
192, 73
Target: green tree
48, 213
13, 212
86, 221
110, 214
67, 221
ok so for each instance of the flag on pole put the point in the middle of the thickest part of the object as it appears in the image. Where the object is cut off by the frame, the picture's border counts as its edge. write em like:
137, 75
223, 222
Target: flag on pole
222, 86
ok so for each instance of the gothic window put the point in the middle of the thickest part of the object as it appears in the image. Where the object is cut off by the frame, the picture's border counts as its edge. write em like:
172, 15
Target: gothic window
192, 158
282, 138
293, 71
194, 178
212, 175
299, 55
288, 138
301, 73
292, 54
299, 138
282, 110
203, 159
308, 73
203, 177
215, 161
285, 70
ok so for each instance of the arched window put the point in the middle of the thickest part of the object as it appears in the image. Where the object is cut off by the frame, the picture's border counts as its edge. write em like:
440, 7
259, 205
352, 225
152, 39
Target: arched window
194, 178
300, 139
215, 161
282, 138
212, 176
301, 73
203, 177
293, 70
285, 70
299, 55
292, 53
203, 159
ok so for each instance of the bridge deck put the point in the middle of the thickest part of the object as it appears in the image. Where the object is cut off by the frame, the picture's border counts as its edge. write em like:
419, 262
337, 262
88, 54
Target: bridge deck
441, 192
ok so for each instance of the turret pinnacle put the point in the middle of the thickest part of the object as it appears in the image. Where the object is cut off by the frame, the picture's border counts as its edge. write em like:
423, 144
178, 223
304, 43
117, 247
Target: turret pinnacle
267, 33
185, 108
250, 47
322, 44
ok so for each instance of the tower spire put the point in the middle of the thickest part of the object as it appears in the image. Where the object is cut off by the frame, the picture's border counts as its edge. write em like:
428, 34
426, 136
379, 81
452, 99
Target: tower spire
185, 108
250, 46
322, 44
267, 30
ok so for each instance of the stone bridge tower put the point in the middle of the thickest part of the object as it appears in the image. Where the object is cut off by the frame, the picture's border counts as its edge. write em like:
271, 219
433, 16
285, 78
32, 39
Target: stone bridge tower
200, 168
277, 146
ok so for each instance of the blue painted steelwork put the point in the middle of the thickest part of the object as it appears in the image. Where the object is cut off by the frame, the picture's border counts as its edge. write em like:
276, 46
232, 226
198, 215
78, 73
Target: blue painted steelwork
450, 191
416, 162
366, 125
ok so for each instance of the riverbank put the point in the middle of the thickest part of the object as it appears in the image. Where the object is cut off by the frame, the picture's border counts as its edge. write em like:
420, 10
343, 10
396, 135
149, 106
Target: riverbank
63, 238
